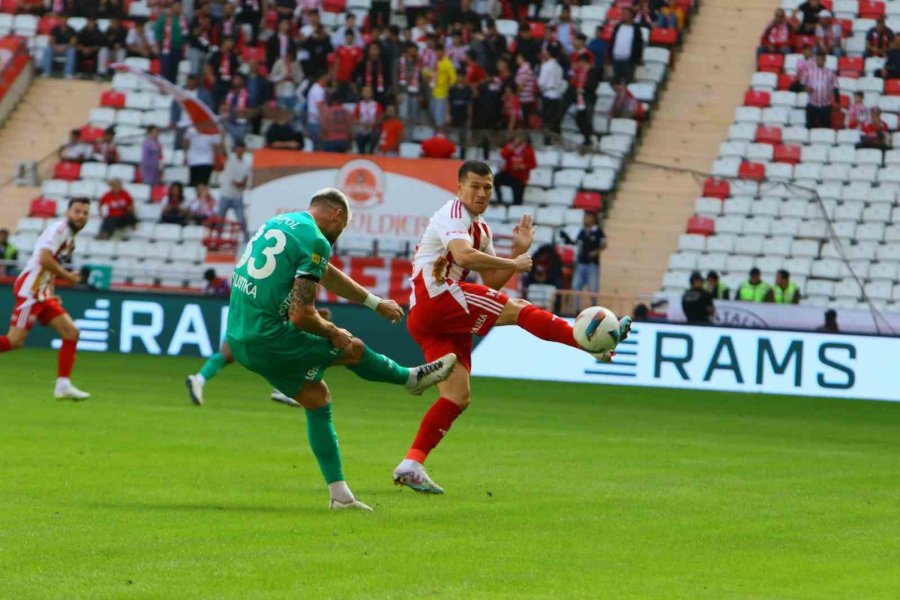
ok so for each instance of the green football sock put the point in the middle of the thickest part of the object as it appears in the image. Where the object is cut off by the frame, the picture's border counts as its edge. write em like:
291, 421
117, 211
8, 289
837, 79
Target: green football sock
378, 367
213, 365
324, 443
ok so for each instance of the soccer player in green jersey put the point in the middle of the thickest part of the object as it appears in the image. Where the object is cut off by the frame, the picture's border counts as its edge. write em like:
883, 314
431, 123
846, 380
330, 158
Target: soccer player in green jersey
275, 330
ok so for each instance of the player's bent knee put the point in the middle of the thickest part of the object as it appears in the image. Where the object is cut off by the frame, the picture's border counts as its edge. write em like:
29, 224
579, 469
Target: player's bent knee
16, 343
355, 350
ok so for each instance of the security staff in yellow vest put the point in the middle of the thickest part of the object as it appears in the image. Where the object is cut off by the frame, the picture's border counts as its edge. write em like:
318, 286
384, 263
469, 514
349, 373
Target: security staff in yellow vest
716, 287
784, 291
754, 289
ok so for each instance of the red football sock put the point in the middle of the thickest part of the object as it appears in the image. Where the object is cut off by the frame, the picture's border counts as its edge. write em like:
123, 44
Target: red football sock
546, 326
435, 425
5, 346
66, 358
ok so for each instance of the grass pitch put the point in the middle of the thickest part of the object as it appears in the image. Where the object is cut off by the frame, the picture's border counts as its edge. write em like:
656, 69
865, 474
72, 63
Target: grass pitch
553, 491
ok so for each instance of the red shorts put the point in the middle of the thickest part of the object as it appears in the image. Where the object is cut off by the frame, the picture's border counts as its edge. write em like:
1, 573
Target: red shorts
441, 324
29, 309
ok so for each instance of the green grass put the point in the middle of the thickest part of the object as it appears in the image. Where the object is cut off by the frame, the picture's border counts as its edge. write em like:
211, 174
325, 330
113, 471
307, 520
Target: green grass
568, 491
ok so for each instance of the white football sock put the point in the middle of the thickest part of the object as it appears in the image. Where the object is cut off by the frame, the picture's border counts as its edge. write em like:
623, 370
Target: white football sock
340, 491
408, 463
200, 378
63, 381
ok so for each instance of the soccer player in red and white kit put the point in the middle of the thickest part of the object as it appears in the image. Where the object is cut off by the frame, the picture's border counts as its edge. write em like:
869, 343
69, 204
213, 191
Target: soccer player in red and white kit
445, 310
35, 298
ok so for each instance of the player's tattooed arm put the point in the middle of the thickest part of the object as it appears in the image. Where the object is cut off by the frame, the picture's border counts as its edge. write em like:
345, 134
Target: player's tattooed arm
305, 316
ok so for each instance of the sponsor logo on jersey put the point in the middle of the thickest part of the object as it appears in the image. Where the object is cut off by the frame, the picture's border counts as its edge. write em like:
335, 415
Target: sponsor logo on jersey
478, 323
243, 285
364, 183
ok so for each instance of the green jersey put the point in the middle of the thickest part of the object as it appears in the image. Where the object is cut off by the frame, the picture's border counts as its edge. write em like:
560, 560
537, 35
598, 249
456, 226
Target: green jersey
287, 246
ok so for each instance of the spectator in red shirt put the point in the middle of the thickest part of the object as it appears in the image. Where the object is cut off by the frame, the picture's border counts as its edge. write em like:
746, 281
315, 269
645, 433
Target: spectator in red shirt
343, 63
580, 49
520, 160
512, 108
777, 37
117, 208
474, 73
391, 132
438, 146
337, 125
858, 114
216, 286
875, 133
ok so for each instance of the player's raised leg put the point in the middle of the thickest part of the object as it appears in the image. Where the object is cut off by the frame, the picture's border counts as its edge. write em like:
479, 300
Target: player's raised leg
14, 339
65, 327
372, 366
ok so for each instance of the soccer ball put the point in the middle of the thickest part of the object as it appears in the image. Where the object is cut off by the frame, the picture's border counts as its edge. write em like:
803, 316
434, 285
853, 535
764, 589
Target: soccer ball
597, 329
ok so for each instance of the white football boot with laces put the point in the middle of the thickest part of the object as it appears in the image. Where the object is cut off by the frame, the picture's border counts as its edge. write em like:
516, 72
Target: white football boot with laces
424, 376
413, 475
195, 389
66, 391
352, 505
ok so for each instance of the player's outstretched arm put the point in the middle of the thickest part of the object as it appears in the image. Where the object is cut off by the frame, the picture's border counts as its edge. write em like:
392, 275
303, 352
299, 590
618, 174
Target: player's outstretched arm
337, 282
466, 256
50, 263
523, 237
304, 316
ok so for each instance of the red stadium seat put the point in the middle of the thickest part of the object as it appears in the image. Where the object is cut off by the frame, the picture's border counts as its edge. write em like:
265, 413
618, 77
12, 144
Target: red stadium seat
155, 67
871, 9
335, 6
253, 53
91, 134
112, 99
716, 188
614, 14
770, 63
785, 82
846, 27
892, 87
787, 153
851, 63
768, 134
67, 170
752, 170
845, 101
592, 201
757, 98
701, 226
47, 23
608, 31
664, 37
158, 193
9, 6
42, 208
801, 41
567, 254
828, 5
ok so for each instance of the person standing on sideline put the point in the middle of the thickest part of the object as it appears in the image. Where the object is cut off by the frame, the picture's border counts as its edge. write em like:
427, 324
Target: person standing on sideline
754, 289
519, 161
36, 298
626, 48
591, 241
821, 83
697, 302
234, 180
716, 287
551, 84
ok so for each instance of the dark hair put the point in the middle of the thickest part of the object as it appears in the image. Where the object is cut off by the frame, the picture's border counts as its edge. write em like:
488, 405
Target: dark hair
240, 144
581, 37
784, 273
696, 276
480, 168
584, 58
594, 214
209, 274
394, 29
712, 275
78, 200
641, 312
75, 132
754, 272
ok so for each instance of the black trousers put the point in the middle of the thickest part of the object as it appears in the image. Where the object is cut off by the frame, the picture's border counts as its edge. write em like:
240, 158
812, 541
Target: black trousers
200, 174
505, 179
818, 116
551, 113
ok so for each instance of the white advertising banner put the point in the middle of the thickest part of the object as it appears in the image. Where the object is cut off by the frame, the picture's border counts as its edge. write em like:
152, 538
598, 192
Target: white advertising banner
789, 316
707, 358
392, 199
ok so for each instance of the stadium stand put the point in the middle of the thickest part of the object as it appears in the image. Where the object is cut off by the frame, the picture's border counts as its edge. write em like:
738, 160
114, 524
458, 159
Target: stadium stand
567, 180
785, 196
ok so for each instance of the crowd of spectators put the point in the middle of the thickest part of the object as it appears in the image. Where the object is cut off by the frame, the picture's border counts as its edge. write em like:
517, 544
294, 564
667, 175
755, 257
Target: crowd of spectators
449, 68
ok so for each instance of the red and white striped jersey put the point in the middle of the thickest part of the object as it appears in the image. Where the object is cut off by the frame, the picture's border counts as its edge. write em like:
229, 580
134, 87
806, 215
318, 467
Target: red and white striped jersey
433, 262
35, 281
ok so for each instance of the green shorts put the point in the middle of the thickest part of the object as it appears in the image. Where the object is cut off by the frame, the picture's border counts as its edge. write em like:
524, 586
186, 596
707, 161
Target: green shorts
287, 362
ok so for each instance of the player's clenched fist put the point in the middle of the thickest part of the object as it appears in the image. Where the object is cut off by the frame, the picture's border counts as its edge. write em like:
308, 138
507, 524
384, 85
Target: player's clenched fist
522, 262
340, 338
390, 310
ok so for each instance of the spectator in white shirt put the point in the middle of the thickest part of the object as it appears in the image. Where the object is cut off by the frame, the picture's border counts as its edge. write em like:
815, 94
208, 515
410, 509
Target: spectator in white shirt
626, 48
286, 76
200, 155
337, 38
552, 85
234, 180
314, 102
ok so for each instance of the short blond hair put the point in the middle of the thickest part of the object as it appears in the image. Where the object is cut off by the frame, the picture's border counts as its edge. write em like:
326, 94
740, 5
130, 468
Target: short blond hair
332, 197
